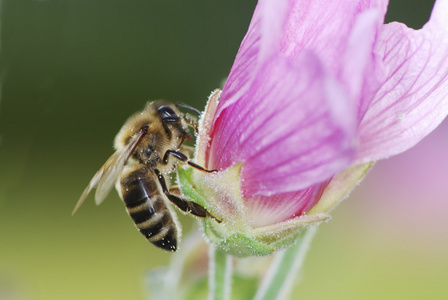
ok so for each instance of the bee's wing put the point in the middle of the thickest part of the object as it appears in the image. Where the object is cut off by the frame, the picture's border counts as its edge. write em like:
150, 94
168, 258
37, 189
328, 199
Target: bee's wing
109, 173
93, 183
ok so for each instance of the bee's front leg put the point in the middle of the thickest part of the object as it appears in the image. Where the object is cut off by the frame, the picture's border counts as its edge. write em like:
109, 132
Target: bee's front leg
189, 120
182, 157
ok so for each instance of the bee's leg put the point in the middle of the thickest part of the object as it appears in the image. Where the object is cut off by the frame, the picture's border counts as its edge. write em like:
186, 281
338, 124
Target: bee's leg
187, 149
182, 157
171, 119
175, 190
191, 121
184, 205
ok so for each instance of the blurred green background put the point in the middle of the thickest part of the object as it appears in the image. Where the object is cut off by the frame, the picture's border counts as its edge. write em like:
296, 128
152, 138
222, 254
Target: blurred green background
73, 70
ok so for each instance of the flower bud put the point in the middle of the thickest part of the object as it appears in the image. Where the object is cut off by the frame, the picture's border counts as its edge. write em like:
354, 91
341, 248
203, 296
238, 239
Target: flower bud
241, 232
316, 93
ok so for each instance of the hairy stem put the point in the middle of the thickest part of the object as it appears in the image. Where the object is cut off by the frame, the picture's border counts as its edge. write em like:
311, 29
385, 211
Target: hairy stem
220, 273
285, 268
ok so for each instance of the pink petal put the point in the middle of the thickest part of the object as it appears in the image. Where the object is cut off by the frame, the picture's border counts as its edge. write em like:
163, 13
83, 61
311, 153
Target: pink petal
293, 128
342, 34
248, 59
290, 116
414, 98
268, 210
324, 27
321, 26
361, 72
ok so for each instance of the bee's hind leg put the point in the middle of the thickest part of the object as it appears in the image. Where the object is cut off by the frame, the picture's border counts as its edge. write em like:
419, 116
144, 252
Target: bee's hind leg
184, 205
182, 157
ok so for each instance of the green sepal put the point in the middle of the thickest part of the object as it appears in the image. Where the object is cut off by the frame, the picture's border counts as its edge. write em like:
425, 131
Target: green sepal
340, 187
237, 244
220, 195
186, 183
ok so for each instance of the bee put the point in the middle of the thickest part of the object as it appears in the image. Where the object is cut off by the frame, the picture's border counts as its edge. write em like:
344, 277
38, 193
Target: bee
147, 147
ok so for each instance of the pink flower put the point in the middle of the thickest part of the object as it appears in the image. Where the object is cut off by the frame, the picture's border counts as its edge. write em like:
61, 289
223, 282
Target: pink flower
318, 90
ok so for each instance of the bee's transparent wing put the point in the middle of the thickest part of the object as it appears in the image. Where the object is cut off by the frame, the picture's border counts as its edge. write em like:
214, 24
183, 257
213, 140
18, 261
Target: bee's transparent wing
93, 183
110, 172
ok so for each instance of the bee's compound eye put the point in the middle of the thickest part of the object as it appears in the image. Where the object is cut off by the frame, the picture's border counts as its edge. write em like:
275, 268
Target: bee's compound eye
166, 112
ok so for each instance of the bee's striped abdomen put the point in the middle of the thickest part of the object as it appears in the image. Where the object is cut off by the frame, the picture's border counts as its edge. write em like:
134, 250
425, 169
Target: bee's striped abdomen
148, 210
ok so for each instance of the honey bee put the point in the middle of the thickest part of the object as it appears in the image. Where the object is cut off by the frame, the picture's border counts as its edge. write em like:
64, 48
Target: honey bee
145, 148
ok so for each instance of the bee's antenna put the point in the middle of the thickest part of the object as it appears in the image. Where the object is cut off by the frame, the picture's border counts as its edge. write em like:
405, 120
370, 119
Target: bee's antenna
179, 104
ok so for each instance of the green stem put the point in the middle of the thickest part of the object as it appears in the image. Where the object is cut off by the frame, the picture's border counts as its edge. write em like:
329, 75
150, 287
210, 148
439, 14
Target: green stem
220, 271
285, 268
